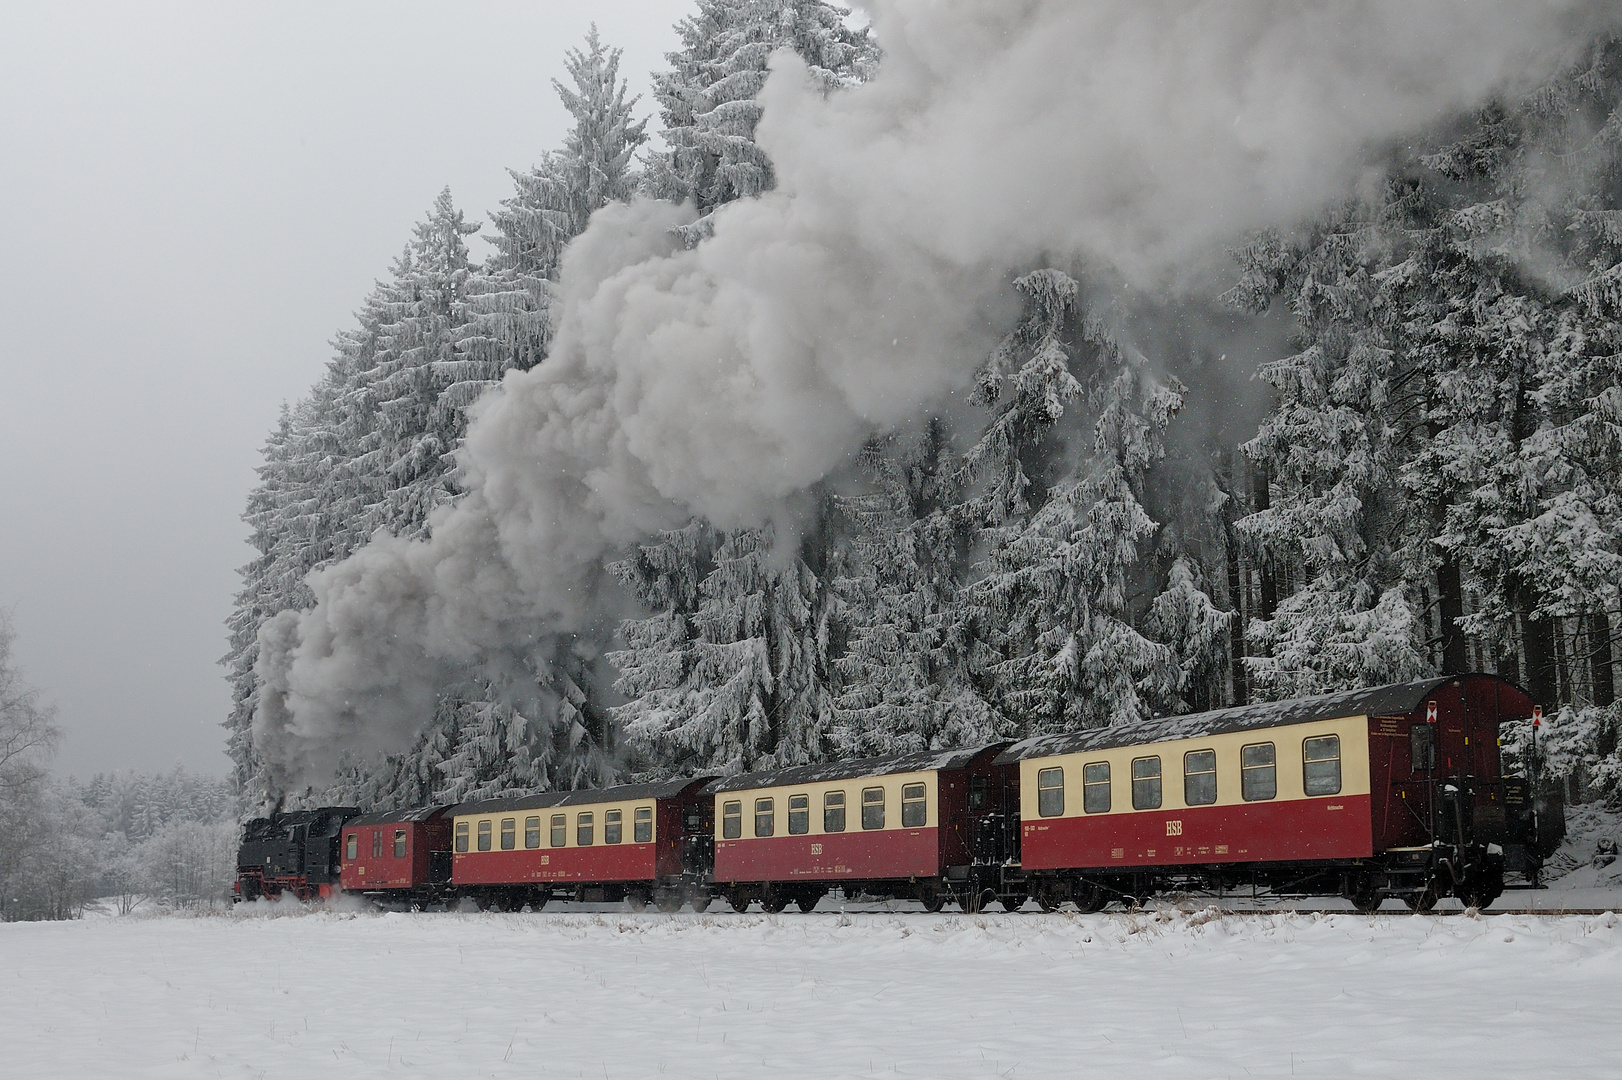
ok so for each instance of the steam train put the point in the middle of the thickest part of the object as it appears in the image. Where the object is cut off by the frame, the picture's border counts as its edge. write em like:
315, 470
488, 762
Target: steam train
1396, 791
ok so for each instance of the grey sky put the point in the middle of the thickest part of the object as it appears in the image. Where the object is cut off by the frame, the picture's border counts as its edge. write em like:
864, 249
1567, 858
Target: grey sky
196, 197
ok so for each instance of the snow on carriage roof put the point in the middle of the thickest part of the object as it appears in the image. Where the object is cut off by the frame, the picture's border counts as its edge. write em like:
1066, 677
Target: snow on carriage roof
918, 761
399, 817
657, 789
1393, 699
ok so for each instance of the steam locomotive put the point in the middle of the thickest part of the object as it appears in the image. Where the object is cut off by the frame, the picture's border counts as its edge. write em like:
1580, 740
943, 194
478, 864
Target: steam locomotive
1392, 792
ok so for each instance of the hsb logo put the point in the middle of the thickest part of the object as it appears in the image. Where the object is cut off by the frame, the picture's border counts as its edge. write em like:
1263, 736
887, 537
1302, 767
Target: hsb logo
1174, 828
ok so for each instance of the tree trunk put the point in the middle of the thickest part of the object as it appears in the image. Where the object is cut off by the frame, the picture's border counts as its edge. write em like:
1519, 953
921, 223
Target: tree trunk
1236, 628
1450, 600
1538, 650
1262, 498
1599, 658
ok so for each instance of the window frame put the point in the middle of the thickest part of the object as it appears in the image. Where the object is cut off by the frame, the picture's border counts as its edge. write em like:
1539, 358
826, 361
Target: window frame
1308, 762
642, 825
1088, 787
462, 836
351, 847
1146, 778
532, 832
768, 815
614, 826
1050, 792
833, 809
1188, 775
1421, 751
799, 817
485, 832
402, 844
558, 831
1270, 767
585, 828
877, 805
732, 820
509, 834
917, 804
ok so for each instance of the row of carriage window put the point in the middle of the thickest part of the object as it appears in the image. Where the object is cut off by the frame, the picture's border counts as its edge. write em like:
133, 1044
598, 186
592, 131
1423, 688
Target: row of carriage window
352, 845
585, 830
914, 812
1258, 778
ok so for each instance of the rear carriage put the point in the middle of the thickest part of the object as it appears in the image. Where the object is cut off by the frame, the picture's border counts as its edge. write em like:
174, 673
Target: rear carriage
1393, 791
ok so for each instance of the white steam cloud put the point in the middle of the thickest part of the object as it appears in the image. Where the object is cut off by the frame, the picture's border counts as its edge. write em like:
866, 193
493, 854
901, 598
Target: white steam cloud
724, 379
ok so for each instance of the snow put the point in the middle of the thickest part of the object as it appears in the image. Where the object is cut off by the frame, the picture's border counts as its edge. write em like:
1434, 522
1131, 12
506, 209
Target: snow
1167, 994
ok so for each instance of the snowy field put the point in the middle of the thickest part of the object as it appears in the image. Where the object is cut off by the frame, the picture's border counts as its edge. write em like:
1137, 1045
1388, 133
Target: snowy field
1163, 994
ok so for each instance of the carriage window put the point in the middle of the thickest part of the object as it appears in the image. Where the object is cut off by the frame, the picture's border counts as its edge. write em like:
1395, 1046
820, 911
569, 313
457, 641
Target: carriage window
1095, 788
1050, 792
613, 826
584, 825
731, 820
532, 832
873, 808
461, 836
833, 811
399, 843
484, 836
977, 793
509, 829
1321, 756
914, 806
377, 843
765, 817
1258, 773
799, 815
643, 825
1421, 748
351, 847
1199, 778
560, 830
1146, 783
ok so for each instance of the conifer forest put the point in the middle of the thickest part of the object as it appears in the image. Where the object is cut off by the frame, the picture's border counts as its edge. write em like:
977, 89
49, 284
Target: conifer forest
1375, 442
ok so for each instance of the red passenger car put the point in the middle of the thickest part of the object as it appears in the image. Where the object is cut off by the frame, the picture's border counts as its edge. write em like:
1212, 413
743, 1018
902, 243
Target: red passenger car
902, 826
399, 854
1392, 791
638, 842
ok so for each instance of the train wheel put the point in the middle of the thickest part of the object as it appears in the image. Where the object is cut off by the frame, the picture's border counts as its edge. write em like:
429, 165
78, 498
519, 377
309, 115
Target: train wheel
1014, 904
1421, 902
807, 899
739, 899
773, 901
637, 899
1365, 894
538, 900
670, 902
1480, 892
931, 895
1089, 897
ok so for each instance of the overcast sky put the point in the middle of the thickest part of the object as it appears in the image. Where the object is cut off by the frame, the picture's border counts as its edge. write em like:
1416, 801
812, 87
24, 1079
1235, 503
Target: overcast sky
196, 198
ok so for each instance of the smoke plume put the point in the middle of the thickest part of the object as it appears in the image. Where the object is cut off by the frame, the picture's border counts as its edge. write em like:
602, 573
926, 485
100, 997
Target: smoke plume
723, 379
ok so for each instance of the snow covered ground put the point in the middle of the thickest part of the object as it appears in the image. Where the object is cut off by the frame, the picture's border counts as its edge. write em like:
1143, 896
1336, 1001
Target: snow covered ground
577, 994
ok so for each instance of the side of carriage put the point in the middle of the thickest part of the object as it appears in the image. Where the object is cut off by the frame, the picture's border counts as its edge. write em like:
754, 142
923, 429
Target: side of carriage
911, 826
1395, 791
648, 843
399, 855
